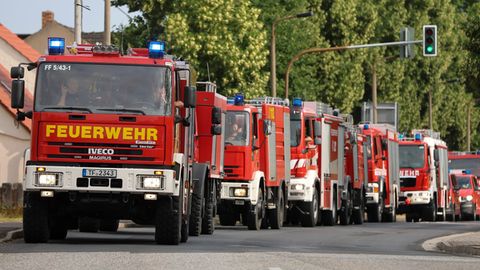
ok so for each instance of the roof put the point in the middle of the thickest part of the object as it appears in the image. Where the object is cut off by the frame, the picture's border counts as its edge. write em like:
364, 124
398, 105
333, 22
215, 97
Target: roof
18, 44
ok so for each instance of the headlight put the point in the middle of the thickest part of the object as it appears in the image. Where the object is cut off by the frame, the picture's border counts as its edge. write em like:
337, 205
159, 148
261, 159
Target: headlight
298, 187
240, 192
47, 179
152, 182
469, 198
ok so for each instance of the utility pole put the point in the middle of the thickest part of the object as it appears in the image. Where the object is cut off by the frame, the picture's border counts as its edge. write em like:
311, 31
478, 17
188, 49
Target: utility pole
430, 109
469, 111
78, 21
374, 93
106, 31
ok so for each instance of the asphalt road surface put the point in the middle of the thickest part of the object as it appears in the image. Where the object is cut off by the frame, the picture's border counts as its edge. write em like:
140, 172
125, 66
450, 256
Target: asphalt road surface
369, 246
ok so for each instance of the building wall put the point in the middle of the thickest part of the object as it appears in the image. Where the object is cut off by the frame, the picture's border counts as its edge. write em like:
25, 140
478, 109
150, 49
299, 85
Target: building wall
9, 57
39, 39
13, 142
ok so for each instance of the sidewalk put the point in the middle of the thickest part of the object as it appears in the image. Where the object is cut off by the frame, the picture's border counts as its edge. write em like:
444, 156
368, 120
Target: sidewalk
10, 231
461, 244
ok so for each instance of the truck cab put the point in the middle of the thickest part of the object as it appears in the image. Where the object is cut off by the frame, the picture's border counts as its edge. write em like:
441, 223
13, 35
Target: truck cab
467, 191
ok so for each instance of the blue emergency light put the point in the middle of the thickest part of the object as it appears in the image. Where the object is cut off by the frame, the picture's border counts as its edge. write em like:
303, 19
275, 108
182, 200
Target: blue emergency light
230, 100
297, 102
156, 49
366, 127
56, 46
418, 137
401, 136
239, 99
467, 171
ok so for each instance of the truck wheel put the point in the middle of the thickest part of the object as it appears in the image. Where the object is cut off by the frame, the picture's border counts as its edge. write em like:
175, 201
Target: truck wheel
391, 215
254, 217
168, 221
88, 224
310, 219
359, 214
430, 212
35, 219
346, 211
185, 231
276, 215
375, 211
196, 216
109, 225
329, 217
58, 228
207, 222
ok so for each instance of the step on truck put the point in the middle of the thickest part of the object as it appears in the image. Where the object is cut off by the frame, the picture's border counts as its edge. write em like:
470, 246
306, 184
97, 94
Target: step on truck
424, 176
383, 172
209, 157
257, 155
112, 139
317, 138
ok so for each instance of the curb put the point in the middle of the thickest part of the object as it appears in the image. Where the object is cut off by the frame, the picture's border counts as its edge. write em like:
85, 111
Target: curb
12, 235
447, 244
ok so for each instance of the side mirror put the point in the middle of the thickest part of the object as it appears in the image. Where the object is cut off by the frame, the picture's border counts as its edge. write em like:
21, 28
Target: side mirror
18, 93
216, 130
190, 96
17, 72
216, 116
267, 127
317, 141
317, 128
255, 144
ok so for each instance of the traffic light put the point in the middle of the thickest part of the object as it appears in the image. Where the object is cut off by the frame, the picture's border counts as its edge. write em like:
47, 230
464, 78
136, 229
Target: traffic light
429, 40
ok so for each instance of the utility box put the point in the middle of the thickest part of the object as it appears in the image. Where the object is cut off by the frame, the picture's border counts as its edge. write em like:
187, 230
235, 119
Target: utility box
387, 113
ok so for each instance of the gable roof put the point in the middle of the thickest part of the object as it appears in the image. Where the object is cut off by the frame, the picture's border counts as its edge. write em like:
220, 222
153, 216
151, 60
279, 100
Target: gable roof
18, 44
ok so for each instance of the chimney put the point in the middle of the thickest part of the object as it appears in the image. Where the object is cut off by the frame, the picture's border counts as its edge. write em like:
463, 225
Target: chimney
47, 17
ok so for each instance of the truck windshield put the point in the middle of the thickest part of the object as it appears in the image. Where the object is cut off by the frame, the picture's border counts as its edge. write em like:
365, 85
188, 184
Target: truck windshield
463, 182
237, 128
412, 156
472, 164
295, 125
103, 88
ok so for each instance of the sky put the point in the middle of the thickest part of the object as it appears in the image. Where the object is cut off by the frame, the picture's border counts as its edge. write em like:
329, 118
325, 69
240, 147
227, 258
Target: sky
25, 16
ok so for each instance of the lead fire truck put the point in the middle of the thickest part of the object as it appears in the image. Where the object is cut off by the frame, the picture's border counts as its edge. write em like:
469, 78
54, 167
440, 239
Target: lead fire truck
424, 176
257, 154
383, 172
317, 166
111, 140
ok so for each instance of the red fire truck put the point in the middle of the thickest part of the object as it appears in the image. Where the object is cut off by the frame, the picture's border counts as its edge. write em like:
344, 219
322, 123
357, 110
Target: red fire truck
209, 157
424, 176
467, 191
257, 154
464, 161
383, 172
112, 138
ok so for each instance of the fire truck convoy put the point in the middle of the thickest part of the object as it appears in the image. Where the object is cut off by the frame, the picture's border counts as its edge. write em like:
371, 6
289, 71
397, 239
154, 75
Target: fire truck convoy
424, 177
383, 172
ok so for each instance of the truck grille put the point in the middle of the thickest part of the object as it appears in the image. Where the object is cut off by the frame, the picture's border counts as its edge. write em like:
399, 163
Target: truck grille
407, 182
99, 182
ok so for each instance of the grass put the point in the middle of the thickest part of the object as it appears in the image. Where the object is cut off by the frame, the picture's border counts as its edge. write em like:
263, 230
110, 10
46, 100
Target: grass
11, 215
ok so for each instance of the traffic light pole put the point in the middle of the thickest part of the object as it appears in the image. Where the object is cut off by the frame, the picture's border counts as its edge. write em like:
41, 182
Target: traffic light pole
340, 48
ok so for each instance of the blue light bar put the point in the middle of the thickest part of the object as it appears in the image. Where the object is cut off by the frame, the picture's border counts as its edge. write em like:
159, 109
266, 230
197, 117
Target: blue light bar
297, 102
156, 49
239, 99
418, 137
56, 46
401, 136
366, 126
230, 100
467, 171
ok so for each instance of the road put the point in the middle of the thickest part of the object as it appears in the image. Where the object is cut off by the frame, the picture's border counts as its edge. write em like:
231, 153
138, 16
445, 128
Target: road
369, 246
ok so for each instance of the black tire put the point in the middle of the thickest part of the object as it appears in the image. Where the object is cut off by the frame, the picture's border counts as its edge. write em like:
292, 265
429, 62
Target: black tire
276, 216
58, 228
391, 215
408, 217
88, 224
168, 221
430, 212
208, 226
109, 225
255, 217
310, 219
329, 217
184, 231
346, 211
375, 211
195, 223
35, 219
358, 215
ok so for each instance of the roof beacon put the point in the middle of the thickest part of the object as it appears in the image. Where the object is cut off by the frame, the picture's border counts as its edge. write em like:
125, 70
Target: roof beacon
56, 46
156, 49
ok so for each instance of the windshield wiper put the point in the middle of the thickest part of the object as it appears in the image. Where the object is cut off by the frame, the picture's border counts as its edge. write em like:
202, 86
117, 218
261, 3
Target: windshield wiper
122, 110
69, 108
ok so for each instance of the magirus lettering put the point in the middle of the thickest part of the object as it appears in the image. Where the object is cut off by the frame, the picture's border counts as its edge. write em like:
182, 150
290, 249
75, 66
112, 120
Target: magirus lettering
100, 151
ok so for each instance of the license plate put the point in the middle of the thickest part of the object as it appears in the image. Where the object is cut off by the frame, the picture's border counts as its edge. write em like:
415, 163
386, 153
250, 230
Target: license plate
99, 173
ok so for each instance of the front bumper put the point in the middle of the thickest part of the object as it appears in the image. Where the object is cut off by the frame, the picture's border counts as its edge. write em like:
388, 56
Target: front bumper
127, 180
415, 198
372, 193
228, 192
300, 190
467, 208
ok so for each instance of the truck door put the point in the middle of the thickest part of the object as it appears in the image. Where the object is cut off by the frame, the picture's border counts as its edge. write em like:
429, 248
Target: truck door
325, 164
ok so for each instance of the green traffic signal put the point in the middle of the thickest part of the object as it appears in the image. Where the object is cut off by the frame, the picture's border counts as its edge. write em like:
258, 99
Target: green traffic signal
429, 40
430, 49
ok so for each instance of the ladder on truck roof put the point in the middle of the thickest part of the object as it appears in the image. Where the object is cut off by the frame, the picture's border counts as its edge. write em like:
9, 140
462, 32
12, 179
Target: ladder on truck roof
258, 102
207, 87
318, 107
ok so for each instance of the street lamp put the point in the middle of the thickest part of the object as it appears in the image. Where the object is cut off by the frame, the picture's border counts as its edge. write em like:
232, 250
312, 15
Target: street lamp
273, 61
